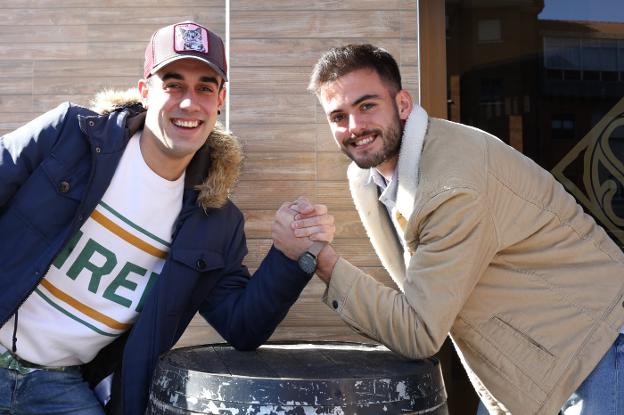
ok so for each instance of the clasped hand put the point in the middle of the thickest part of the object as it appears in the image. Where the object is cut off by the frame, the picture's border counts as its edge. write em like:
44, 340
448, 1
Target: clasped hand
297, 224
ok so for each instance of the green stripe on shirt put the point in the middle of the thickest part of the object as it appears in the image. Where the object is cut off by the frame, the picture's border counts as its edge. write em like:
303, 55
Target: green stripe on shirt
73, 317
132, 224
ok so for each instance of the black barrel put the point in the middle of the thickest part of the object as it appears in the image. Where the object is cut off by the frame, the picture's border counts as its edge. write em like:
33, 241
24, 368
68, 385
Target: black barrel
332, 378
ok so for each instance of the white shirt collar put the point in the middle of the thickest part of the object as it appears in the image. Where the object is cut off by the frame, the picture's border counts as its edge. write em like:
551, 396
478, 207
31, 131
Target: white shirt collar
388, 190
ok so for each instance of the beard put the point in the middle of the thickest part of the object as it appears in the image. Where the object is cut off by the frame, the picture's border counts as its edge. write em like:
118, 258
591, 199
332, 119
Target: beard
391, 139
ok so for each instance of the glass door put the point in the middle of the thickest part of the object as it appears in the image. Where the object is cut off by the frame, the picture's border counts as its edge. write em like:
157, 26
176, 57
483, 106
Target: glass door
547, 77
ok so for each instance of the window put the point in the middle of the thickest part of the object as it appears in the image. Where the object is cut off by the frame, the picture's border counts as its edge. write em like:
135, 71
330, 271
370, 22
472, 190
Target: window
562, 53
489, 31
621, 59
599, 59
492, 90
562, 126
575, 59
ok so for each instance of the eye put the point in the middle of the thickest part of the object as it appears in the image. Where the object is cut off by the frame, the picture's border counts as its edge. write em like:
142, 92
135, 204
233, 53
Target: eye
206, 89
367, 106
336, 118
173, 86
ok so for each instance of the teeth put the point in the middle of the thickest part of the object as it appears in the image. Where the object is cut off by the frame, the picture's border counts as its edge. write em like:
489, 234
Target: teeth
186, 124
364, 141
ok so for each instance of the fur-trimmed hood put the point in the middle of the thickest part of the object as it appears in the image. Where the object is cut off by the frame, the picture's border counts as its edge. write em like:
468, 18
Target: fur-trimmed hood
214, 169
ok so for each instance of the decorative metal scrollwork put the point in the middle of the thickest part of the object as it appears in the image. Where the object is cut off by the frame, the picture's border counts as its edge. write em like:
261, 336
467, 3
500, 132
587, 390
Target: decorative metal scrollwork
602, 189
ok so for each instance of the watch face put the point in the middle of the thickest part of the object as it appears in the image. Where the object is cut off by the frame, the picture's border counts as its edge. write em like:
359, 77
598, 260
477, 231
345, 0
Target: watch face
307, 263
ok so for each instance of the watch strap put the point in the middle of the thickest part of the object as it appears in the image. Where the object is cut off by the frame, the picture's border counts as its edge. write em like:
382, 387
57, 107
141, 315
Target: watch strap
316, 248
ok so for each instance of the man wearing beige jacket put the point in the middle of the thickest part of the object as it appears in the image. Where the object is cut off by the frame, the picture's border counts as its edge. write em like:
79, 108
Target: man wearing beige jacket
482, 243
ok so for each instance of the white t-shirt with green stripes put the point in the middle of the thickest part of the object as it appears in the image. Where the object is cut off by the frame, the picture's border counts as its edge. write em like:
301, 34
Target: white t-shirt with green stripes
97, 285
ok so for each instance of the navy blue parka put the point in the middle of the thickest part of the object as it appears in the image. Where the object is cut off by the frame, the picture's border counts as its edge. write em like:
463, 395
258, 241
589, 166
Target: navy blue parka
54, 171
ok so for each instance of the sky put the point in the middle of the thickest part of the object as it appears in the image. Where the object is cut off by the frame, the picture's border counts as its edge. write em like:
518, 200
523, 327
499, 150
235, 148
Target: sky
594, 10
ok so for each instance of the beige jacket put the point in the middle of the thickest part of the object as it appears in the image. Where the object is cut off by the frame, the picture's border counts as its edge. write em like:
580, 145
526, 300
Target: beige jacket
502, 257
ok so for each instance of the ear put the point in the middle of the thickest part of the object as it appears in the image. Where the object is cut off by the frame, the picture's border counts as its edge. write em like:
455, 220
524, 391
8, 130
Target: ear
404, 103
221, 98
143, 90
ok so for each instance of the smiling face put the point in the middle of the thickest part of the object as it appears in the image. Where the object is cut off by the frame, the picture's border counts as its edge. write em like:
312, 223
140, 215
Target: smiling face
366, 119
182, 101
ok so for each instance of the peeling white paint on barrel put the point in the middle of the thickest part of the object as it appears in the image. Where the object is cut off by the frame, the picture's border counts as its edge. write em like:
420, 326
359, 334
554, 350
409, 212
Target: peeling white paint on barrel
320, 378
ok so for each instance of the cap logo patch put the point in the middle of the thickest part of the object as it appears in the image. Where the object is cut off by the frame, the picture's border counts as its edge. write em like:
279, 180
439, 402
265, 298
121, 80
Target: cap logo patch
190, 38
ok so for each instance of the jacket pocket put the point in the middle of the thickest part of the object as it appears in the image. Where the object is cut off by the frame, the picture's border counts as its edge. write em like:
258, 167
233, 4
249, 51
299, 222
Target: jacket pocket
67, 181
527, 354
49, 198
188, 276
199, 260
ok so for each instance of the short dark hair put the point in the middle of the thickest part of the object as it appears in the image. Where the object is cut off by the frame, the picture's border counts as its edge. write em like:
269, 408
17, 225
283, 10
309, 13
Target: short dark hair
342, 60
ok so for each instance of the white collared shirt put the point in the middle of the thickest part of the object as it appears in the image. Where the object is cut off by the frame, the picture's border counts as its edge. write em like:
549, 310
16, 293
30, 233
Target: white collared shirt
387, 190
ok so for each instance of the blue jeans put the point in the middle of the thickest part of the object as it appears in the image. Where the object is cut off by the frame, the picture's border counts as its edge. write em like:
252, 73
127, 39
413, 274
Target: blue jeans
602, 393
603, 390
47, 392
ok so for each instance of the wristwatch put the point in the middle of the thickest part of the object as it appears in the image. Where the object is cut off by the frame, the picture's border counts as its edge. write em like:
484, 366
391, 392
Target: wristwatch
307, 261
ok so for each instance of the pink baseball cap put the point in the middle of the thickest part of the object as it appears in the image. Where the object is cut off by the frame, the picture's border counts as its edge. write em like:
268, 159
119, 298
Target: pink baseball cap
185, 40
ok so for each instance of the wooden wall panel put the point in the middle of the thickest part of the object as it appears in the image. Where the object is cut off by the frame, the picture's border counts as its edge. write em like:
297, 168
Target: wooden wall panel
271, 109
16, 103
129, 18
16, 69
15, 86
279, 166
332, 166
93, 69
325, 5
267, 80
314, 24
258, 224
78, 85
10, 121
257, 138
57, 50
289, 147
186, 6
269, 195
70, 49
296, 52
335, 195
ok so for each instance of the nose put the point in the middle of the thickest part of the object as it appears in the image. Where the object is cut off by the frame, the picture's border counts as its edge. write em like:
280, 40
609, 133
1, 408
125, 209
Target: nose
189, 102
356, 125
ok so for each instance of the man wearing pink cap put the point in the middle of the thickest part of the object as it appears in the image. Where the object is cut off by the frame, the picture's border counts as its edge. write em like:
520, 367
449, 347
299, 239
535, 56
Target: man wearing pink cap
117, 228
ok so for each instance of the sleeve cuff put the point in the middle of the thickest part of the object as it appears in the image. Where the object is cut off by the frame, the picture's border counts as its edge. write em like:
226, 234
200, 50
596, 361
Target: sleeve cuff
291, 266
342, 279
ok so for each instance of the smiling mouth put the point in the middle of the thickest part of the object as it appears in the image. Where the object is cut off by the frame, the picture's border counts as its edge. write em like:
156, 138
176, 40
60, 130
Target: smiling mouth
186, 123
362, 141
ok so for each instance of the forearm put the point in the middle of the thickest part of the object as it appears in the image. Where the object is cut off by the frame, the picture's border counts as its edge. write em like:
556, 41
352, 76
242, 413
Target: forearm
456, 244
380, 312
247, 311
327, 259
